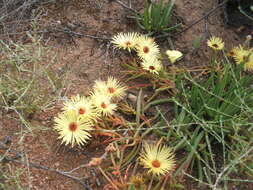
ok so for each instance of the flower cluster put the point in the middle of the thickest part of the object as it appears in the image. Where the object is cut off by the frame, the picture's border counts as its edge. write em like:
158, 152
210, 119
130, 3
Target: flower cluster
80, 113
240, 54
146, 49
243, 56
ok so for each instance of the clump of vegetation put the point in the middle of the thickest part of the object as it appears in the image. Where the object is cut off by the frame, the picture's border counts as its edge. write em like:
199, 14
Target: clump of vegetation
211, 110
16, 15
96, 114
27, 83
157, 17
148, 63
10, 178
213, 115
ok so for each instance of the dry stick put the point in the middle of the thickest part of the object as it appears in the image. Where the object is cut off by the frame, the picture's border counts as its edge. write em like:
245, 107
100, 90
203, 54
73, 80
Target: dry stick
234, 162
151, 182
78, 34
125, 6
108, 179
58, 30
31, 164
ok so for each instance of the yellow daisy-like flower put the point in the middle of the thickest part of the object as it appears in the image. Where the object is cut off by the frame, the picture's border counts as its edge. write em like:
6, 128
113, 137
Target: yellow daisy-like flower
138, 181
152, 65
126, 41
231, 53
215, 43
248, 65
72, 128
241, 55
112, 88
103, 104
174, 55
82, 105
147, 48
158, 159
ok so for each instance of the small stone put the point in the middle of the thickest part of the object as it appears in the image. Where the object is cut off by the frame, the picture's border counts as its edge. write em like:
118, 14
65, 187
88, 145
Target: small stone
132, 97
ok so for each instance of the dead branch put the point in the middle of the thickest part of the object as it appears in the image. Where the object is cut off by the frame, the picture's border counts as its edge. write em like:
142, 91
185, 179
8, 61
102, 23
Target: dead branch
37, 166
125, 6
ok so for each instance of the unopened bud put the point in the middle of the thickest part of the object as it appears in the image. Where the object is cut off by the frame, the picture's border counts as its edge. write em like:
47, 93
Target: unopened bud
110, 148
95, 162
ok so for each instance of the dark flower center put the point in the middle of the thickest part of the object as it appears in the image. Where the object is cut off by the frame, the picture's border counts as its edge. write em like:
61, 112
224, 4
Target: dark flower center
145, 49
103, 105
82, 111
156, 164
232, 53
151, 67
128, 43
111, 90
215, 45
72, 127
245, 58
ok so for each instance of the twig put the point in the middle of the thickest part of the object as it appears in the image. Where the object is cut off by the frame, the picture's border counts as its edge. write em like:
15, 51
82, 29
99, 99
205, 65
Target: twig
234, 162
108, 179
59, 30
34, 165
106, 57
197, 21
125, 6
77, 168
77, 34
151, 182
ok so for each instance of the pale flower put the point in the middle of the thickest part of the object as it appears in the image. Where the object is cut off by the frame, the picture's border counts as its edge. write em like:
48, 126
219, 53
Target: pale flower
158, 159
174, 55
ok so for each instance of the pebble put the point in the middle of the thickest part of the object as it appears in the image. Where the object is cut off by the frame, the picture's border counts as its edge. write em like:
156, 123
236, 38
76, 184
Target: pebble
132, 97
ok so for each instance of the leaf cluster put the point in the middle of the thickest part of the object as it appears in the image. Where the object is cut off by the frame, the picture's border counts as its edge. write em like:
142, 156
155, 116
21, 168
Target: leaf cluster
28, 83
213, 120
157, 17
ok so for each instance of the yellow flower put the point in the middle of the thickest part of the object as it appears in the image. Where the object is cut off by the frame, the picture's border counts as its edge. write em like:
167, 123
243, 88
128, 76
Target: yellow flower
103, 104
152, 65
72, 128
158, 159
231, 53
126, 41
174, 55
241, 55
215, 43
147, 48
138, 182
112, 88
82, 105
248, 65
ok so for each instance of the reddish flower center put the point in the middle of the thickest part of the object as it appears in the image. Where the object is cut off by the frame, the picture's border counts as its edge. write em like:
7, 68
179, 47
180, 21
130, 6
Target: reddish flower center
151, 67
72, 127
111, 90
103, 105
215, 45
145, 49
244, 58
128, 43
156, 164
232, 53
82, 111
